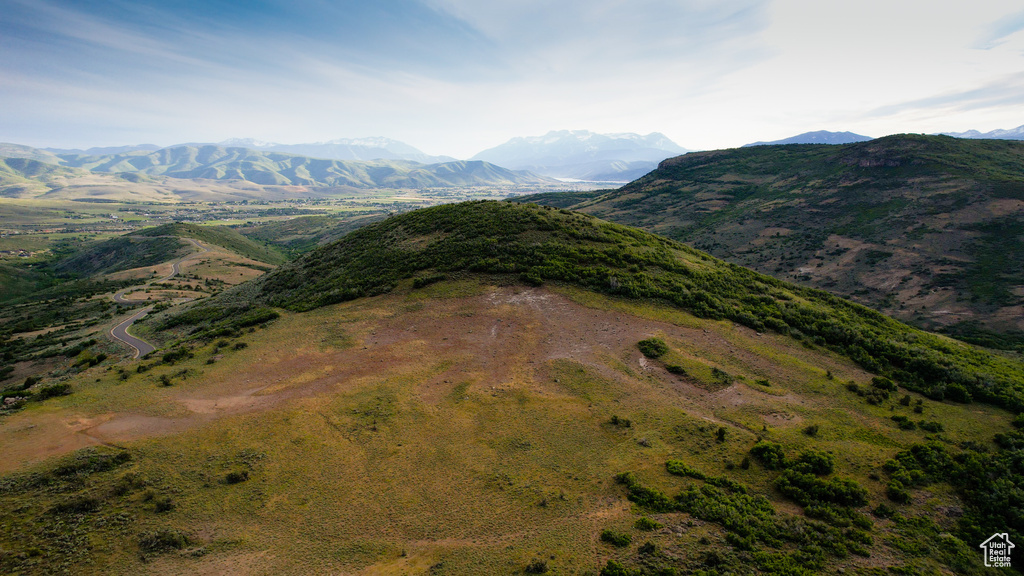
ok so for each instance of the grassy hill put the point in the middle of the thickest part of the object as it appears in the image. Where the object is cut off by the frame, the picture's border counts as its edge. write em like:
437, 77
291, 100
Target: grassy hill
157, 245
20, 174
218, 236
493, 388
302, 234
925, 228
537, 244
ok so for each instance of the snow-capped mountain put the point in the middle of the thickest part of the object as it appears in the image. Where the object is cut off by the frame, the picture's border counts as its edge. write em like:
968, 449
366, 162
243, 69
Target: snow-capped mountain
584, 155
1012, 134
817, 137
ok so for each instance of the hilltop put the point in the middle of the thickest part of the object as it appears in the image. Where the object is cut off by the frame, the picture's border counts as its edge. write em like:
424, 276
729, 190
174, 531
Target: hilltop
538, 244
487, 387
925, 228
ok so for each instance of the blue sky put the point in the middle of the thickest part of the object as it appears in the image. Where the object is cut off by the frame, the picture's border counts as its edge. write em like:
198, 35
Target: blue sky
457, 76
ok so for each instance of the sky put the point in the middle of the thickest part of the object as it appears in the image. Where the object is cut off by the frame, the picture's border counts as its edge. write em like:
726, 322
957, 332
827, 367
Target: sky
455, 77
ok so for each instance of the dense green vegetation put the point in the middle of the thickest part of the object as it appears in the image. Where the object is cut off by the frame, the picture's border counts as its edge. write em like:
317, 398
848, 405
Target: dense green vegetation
535, 244
926, 212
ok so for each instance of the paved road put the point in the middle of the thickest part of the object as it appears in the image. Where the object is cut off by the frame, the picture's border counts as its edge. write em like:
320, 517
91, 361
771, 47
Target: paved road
120, 332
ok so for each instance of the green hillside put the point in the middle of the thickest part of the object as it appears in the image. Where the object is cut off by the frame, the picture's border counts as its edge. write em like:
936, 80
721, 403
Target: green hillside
925, 228
218, 236
302, 234
537, 244
17, 174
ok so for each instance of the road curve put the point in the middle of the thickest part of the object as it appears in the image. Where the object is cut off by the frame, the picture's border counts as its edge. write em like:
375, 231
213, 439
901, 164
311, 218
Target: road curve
120, 332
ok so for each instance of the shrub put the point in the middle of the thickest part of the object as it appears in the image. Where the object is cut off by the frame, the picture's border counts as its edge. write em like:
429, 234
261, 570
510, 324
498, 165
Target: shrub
236, 477
162, 540
958, 393
617, 539
721, 376
927, 426
536, 567
163, 504
904, 423
675, 369
53, 390
769, 454
239, 346
814, 462
806, 489
811, 430
883, 383
720, 434
679, 468
647, 525
895, 492
652, 347
77, 505
622, 422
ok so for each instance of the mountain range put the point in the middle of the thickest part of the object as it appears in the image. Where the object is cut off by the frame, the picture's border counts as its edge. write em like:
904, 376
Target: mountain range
1012, 134
584, 155
262, 167
926, 228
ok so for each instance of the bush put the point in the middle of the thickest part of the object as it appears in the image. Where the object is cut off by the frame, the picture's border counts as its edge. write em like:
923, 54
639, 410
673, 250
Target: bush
806, 489
536, 567
163, 540
814, 462
622, 422
647, 525
895, 492
904, 422
927, 426
237, 477
53, 390
617, 539
811, 430
675, 369
958, 393
769, 454
679, 468
883, 383
652, 347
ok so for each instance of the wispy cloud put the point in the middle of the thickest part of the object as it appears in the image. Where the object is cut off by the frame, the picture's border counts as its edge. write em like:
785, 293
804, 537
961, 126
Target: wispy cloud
1006, 91
997, 33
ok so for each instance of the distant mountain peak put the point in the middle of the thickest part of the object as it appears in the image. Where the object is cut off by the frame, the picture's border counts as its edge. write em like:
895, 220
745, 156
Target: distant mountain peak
817, 137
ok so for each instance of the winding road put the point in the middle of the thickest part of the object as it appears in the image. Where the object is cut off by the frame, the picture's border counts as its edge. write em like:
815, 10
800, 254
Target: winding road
120, 332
